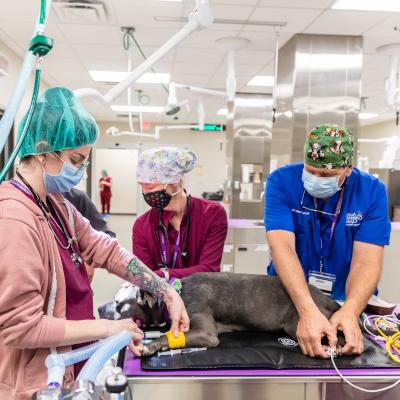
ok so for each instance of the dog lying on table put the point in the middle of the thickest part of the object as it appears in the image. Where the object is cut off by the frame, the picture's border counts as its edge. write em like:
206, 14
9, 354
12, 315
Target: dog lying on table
217, 303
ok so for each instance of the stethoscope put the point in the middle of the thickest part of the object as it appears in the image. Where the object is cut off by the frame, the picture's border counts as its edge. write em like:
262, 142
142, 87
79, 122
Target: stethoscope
162, 234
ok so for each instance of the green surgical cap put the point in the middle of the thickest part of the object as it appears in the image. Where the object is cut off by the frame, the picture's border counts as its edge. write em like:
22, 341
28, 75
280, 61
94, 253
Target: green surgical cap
59, 122
329, 147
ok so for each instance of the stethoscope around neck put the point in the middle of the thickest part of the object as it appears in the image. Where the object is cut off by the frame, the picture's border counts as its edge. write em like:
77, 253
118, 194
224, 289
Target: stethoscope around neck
162, 230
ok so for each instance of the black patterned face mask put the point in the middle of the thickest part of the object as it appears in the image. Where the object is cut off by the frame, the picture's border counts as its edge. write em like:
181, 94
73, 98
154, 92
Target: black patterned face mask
159, 199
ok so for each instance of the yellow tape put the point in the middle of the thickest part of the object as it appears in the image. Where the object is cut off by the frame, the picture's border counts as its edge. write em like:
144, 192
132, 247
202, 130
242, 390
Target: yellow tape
176, 343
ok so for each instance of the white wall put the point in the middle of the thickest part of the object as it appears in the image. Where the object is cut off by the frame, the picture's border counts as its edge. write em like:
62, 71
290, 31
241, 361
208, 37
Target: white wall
209, 175
374, 151
121, 167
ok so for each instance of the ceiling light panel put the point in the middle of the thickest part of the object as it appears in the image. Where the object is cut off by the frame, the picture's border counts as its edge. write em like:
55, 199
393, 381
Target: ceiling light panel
262, 80
368, 5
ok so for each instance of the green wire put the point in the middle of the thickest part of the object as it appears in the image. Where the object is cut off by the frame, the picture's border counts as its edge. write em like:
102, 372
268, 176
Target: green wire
42, 17
126, 43
14, 153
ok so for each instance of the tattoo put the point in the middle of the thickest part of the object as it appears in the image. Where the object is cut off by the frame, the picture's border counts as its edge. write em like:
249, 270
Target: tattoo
143, 277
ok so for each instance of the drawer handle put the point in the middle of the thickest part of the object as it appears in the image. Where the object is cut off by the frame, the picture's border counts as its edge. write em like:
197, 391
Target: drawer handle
242, 248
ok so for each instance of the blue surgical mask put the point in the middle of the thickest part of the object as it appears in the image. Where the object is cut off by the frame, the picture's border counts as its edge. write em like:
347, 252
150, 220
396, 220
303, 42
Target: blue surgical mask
69, 177
320, 187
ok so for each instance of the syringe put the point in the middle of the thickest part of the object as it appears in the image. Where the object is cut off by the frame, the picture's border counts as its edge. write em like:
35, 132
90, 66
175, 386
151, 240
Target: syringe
181, 351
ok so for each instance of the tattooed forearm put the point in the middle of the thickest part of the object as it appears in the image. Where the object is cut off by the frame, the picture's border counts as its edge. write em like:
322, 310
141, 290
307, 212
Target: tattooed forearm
143, 277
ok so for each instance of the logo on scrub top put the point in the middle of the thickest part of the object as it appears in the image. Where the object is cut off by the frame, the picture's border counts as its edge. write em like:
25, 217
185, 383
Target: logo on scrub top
354, 219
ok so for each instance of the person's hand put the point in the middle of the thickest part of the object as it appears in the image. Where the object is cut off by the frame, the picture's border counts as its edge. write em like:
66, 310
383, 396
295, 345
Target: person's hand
312, 327
347, 322
177, 312
114, 327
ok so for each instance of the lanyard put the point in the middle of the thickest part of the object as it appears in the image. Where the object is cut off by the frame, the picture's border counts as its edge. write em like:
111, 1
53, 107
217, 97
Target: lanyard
22, 188
71, 246
164, 249
333, 226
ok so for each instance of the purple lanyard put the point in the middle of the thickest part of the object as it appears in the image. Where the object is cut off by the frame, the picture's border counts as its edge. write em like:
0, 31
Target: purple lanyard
333, 226
164, 252
22, 188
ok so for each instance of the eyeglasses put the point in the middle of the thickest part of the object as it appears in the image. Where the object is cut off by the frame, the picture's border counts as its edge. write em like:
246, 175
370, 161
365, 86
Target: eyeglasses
319, 211
76, 164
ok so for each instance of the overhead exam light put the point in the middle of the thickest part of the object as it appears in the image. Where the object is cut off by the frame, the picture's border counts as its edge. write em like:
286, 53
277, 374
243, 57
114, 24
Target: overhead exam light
230, 45
173, 106
393, 82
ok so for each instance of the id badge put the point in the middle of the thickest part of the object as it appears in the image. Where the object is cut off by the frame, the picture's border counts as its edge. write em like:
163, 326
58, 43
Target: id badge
323, 281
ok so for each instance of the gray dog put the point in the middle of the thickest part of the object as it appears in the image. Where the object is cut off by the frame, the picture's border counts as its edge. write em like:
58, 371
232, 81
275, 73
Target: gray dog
217, 303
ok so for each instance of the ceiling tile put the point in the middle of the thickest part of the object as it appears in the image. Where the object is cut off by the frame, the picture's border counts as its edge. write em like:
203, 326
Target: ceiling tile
206, 38
335, 22
194, 68
260, 58
297, 19
132, 14
264, 41
227, 11
20, 10
319, 4
92, 34
201, 55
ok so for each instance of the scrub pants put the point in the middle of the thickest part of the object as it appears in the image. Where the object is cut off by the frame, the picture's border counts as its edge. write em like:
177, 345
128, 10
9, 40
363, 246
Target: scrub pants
105, 198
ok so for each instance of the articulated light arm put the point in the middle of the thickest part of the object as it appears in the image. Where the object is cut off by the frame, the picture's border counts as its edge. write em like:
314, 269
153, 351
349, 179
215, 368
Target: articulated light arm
200, 18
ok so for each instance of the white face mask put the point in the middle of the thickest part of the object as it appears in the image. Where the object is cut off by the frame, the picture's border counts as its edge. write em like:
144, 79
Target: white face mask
321, 187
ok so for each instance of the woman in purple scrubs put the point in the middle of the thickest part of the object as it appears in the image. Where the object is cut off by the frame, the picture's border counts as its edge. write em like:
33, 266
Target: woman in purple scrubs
180, 234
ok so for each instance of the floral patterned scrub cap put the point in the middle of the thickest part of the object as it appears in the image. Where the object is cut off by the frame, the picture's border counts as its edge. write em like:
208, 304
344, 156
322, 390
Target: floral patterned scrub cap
329, 147
164, 165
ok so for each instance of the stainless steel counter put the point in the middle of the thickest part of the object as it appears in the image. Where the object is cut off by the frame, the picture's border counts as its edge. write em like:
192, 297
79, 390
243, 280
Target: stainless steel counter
259, 388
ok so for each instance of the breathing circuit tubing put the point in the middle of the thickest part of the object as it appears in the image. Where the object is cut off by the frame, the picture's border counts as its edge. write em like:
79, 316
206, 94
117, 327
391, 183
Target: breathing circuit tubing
39, 46
98, 352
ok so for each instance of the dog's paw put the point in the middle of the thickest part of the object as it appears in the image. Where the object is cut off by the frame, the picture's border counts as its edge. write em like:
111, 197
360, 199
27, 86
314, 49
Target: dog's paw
150, 349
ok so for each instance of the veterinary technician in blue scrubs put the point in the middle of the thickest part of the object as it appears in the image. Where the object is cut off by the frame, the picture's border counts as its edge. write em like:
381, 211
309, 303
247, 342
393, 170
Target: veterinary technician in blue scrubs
327, 224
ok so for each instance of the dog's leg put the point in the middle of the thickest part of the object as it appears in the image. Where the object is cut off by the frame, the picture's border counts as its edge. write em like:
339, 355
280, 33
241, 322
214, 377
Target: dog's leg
290, 326
203, 333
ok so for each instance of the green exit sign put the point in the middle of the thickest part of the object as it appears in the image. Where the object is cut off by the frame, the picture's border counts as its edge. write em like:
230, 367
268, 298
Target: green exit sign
211, 128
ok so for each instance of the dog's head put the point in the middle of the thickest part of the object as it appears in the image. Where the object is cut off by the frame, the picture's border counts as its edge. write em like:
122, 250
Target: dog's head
131, 302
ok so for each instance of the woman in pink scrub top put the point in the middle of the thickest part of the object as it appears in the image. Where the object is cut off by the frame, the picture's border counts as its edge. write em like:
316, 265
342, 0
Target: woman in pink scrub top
45, 296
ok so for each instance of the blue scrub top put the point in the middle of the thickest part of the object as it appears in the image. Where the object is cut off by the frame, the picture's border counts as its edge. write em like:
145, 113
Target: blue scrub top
363, 217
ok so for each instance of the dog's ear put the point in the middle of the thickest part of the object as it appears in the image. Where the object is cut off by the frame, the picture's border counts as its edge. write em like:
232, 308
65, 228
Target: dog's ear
149, 299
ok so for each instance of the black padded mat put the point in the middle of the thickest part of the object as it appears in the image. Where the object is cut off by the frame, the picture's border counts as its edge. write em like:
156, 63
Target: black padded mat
253, 350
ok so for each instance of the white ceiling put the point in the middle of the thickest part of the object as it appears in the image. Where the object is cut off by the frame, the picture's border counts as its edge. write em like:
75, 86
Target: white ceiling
197, 61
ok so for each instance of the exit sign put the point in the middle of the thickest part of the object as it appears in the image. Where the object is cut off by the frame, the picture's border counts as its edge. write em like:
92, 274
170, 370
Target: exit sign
211, 128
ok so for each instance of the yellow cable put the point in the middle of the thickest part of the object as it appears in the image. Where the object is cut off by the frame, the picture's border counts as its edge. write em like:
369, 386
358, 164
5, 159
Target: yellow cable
392, 341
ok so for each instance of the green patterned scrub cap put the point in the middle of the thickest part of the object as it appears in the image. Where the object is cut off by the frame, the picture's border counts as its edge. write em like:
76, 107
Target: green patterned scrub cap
59, 122
329, 146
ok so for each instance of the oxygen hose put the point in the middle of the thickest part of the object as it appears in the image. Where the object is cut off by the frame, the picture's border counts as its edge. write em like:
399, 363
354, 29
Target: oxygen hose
98, 352
14, 153
39, 46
